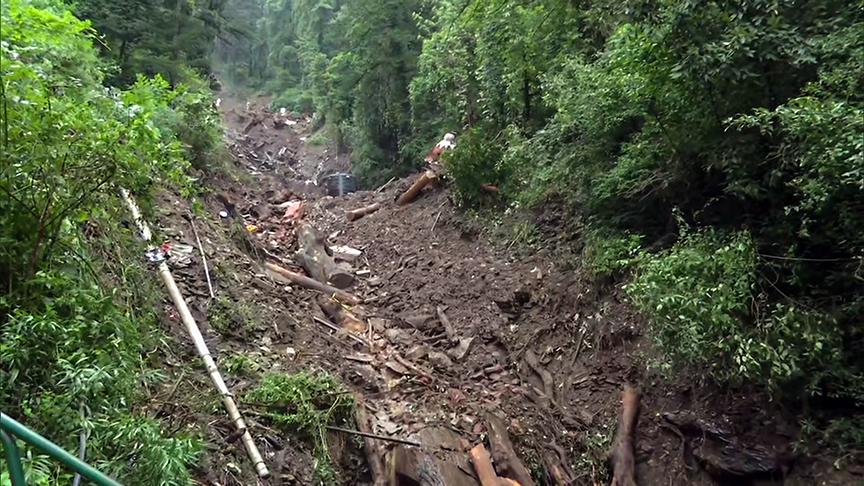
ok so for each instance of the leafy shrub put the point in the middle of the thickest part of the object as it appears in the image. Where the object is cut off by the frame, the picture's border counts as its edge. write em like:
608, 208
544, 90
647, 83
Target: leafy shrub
319, 138
67, 143
473, 162
311, 403
609, 254
704, 312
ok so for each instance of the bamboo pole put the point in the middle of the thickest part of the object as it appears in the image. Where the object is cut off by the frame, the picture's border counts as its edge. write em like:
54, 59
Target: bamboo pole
203, 256
200, 345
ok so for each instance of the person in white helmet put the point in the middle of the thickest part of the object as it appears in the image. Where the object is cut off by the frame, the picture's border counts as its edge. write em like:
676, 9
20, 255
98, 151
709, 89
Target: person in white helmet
445, 144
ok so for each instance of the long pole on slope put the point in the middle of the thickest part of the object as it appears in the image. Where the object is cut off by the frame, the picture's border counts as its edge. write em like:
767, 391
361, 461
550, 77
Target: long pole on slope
200, 345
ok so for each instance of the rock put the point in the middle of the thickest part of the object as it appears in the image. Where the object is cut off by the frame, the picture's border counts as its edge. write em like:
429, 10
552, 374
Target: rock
440, 360
419, 321
399, 336
365, 375
462, 349
417, 352
378, 325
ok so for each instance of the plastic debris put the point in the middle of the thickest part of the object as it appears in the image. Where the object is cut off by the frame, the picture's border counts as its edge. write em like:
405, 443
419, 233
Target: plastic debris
251, 228
179, 255
293, 212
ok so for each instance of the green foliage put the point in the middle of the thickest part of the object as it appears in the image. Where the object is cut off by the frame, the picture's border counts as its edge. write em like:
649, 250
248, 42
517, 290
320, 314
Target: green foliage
231, 317
153, 37
700, 296
67, 143
610, 254
319, 138
472, 163
158, 460
306, 405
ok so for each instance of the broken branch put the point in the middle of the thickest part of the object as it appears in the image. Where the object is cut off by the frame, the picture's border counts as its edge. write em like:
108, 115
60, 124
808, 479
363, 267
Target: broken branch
336, 328
448, 327
373, 452
483, 465
314, 258
360, 212
203, 257
309, 283
621, 455
374, 436
506, 461
415, 188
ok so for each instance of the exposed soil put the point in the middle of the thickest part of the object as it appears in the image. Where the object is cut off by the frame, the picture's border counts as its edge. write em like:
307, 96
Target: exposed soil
517, 312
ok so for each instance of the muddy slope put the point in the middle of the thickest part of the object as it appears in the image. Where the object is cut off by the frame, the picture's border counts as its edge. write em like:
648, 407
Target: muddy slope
534, 344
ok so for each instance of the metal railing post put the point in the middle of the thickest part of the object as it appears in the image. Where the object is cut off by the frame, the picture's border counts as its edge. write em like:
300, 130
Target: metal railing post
13, 459
11, 428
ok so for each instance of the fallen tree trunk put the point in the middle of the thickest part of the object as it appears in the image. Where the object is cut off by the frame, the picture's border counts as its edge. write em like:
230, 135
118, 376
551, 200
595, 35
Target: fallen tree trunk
483, 465
621, 455
308, 283
507, 463
360, 212
374, 453
413, 191
314, 257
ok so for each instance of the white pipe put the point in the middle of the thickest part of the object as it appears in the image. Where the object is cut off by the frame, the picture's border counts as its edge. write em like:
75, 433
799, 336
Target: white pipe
200, 345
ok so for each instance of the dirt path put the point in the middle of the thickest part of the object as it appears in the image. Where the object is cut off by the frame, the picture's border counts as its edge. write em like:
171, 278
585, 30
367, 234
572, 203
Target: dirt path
518, 320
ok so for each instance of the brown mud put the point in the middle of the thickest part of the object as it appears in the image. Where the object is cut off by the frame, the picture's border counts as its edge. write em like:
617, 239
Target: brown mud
540, 347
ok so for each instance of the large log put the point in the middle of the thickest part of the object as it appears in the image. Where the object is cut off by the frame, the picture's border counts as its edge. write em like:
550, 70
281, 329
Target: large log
318, 263
360, 212
621, 455
413, 191
507, 463
308, 283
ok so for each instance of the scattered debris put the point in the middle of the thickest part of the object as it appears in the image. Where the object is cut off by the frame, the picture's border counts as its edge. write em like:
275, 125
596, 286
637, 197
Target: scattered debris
462, 349
293, 211
345, 253
179, 254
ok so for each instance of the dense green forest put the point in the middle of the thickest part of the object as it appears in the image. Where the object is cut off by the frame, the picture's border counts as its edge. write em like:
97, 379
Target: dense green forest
709, 153
712, 152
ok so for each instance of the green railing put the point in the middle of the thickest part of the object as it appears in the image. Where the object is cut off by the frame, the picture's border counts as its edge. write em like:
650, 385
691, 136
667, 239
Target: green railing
11, 429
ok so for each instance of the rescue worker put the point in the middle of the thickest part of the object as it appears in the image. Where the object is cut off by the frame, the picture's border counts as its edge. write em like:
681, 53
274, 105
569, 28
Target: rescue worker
445, 144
